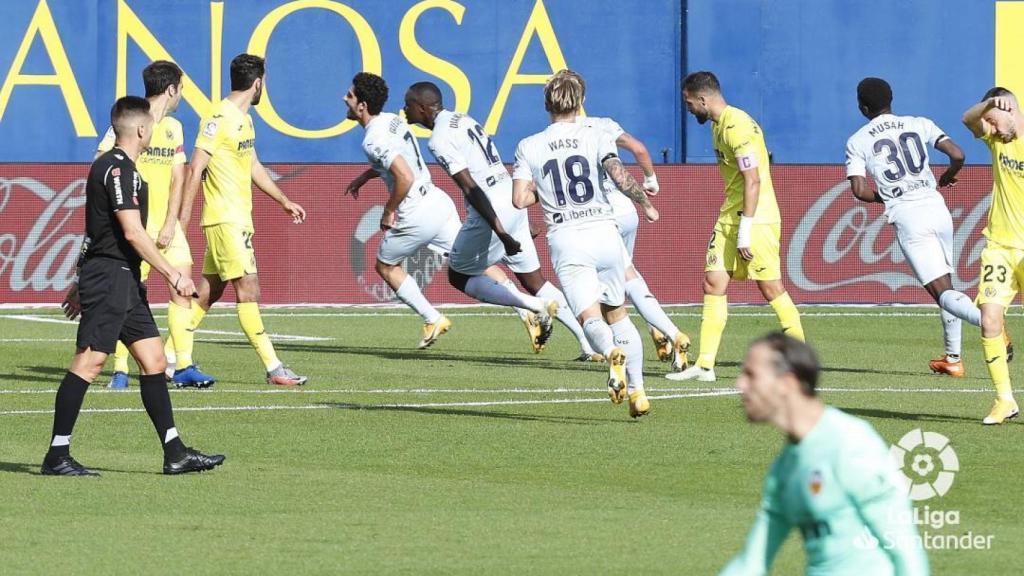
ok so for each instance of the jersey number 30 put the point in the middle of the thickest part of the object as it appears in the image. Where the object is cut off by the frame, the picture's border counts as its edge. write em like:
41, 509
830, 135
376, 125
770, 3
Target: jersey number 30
577, 173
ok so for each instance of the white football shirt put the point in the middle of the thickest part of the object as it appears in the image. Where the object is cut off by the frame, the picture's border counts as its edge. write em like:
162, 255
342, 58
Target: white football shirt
894, 150
613, 130
565, 163
459, 143
388, 137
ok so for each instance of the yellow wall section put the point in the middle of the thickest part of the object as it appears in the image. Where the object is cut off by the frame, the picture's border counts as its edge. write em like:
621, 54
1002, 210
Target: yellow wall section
1010, 46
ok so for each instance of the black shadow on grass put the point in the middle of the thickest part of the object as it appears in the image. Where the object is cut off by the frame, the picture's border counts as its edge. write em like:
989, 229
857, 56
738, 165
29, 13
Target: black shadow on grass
575, 420
892, 414
47, 374
846, 370
20, 468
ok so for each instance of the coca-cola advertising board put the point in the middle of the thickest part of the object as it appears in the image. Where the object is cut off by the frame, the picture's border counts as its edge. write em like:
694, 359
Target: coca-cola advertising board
834, 248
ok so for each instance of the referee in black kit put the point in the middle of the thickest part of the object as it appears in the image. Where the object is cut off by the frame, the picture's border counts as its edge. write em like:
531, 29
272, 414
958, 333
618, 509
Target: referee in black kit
113, 300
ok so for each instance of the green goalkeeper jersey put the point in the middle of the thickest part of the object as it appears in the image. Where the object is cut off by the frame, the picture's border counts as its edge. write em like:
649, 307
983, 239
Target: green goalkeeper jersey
839, 488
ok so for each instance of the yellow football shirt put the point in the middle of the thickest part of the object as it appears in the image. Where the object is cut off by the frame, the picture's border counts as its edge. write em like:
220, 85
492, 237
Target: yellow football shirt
229, 137
1006, 214
737, 139
166, 150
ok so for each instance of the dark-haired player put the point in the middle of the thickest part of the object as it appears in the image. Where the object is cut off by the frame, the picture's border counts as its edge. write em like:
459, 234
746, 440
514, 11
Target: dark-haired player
113, 298
225, 164
998, 122
417, 213
893, 149
745, 241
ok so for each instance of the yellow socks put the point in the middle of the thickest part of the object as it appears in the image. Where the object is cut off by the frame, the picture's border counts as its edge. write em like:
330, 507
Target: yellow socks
716, 313
995, 358
789, 316
252, 325
179, 324
121, 358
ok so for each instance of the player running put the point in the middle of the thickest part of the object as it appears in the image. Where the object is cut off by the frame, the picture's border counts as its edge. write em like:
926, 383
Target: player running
494, 231
225, 164
562, 168
417, 213
892, 149
998, 122
745, 241
671, 344
834, 479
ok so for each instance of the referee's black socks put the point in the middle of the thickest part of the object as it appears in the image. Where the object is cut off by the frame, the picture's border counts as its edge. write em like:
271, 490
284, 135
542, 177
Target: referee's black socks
158, 405
65, 412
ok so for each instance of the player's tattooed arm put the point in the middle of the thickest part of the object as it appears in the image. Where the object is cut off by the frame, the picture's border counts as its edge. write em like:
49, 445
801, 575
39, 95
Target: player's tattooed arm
862, 190
629, 186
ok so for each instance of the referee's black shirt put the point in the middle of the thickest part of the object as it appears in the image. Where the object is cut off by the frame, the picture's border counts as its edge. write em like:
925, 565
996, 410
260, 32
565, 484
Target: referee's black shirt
114, 184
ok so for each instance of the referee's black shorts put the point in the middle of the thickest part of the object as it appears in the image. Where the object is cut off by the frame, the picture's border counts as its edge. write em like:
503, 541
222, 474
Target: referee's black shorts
114, 306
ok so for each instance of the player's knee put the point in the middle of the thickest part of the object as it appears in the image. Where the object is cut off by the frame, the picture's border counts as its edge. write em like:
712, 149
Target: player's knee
383, 269
991, 322
713, 285
771, 289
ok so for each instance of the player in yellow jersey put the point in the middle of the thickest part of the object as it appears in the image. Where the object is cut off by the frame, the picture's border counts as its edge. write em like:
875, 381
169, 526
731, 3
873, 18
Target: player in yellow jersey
745, 242
225, 164
162, 167
998, 122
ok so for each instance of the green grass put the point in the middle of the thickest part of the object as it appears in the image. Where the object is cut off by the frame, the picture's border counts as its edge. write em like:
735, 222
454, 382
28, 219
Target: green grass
345, 483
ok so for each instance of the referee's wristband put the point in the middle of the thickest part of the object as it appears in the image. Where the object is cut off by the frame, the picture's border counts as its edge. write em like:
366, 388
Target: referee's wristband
743, 236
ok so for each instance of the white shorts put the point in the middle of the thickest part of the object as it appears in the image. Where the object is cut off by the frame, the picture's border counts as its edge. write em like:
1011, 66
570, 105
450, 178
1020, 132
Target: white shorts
477, 246
925, 234
433, 222
626, 218
590, 265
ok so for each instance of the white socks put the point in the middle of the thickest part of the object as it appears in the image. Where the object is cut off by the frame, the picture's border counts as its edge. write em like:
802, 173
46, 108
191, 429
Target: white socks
566, 316
627, 338
599, 335
61, 441
951, 332
959, 305
522, 312
486, 290
409, 293
649, 307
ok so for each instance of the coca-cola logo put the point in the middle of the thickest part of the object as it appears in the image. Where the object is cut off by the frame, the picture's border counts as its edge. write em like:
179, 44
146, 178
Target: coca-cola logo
42, 257
840, 243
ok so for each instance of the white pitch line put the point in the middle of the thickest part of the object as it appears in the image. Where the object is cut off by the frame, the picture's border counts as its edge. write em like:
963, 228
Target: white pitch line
427, 391
48, 320
368, 407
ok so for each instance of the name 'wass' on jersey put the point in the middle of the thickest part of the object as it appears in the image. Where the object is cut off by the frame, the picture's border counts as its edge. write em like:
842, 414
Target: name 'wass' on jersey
388, 137
894, 150
565, 163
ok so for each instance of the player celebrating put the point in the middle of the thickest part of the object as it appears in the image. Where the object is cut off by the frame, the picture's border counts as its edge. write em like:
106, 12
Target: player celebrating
834, 479
417, 213
671, 344
113, 298
892, 149
745, 241
494, 231
162, 166
225, 164
998, 121
562, 168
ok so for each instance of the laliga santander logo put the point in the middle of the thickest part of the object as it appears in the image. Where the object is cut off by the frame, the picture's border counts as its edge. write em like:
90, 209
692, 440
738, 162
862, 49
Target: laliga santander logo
43, 257
422, 265
927, 463
845, 253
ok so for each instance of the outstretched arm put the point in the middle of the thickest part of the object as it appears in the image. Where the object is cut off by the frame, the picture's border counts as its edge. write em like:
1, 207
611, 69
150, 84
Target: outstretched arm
261, 178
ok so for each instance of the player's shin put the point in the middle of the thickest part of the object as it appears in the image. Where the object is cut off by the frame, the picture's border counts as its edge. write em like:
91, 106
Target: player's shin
179, 324
409, 293
67, 406
158, 406
951, 333
628, 338
566, 317
486, 290
789, 316
649, 307
120, 358
961, 306
599, 334
252, 325
522, 312
713, 319
998, 370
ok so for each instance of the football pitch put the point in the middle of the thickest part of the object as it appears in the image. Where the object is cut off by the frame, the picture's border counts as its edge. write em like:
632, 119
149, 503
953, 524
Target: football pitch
473, 457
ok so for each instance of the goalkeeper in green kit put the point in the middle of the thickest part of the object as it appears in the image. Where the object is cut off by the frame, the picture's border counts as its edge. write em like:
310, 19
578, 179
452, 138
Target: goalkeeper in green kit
833, 481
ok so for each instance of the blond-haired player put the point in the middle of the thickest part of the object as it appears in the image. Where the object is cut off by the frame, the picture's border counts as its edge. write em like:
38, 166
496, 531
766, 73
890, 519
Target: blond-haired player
998, 122
563, 168
745, 242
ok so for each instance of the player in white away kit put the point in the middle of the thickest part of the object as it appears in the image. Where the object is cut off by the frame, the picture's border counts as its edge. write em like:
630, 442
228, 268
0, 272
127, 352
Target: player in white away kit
417, 213
671, 344
892, 149
495, 230
563, 168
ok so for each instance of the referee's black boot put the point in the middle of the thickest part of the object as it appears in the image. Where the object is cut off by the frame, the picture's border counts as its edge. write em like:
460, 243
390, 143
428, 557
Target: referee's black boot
191, 461
64, 465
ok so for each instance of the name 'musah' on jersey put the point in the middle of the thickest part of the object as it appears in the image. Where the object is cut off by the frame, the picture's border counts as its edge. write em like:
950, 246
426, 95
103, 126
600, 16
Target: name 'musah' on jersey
885, 125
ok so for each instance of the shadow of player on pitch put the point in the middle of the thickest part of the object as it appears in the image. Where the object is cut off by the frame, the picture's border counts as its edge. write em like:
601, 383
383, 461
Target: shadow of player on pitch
575, 420
894, 415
